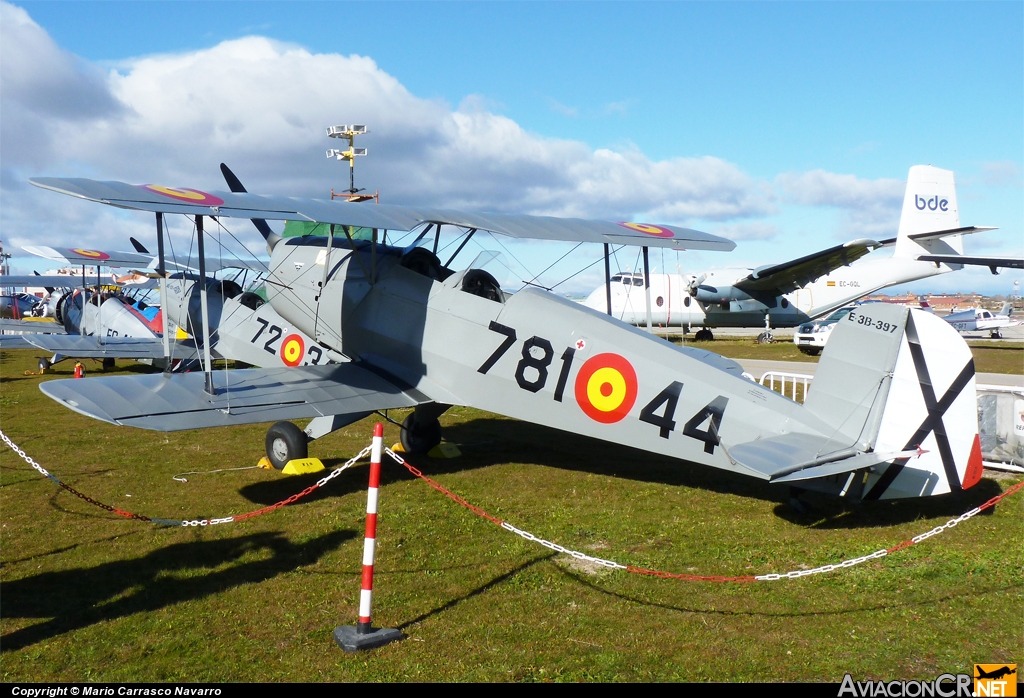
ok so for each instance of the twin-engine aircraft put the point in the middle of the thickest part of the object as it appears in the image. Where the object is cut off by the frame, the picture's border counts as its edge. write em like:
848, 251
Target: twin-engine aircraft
892, 412
929, 241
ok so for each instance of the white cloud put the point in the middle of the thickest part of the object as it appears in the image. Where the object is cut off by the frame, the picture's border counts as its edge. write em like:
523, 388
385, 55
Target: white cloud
1002, 173
747, 230
870, 206
262, 106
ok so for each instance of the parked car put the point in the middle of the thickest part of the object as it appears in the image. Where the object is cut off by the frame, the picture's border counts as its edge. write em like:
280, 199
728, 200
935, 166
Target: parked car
812, 336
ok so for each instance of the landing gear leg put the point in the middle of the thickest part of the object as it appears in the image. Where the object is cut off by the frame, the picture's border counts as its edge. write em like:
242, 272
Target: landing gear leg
796, 504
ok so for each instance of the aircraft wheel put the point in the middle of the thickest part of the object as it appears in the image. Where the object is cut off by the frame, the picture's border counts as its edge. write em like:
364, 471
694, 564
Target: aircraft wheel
44, 365
285, 442
766, 338
108, 363
704, 335
420, 438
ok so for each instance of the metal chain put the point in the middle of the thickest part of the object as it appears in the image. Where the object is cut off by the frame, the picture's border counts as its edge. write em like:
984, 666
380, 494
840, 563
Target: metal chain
526, 535
194, 522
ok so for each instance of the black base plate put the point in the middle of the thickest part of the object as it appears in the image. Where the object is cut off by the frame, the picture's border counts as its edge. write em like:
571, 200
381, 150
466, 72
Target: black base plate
351, 640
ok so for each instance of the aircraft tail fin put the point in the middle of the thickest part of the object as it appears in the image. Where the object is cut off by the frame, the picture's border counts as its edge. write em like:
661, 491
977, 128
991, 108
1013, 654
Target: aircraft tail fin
900, 382
893, 400
1007, 309
929, 206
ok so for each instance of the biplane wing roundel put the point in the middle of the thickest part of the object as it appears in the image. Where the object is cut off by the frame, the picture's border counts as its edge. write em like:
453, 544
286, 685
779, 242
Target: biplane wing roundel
149, 197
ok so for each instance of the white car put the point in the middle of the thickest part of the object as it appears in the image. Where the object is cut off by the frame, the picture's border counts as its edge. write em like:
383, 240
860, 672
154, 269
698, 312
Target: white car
812, 336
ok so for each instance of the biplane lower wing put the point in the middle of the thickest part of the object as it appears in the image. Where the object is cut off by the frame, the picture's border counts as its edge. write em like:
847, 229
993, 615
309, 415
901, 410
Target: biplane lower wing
90, 347
177, 402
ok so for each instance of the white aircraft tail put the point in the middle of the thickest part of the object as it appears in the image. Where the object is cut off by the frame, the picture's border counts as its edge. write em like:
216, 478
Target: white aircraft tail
929, 206
898, 384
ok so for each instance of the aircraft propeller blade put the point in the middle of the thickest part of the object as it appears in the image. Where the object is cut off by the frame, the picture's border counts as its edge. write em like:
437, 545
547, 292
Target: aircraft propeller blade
139, 247
235, 185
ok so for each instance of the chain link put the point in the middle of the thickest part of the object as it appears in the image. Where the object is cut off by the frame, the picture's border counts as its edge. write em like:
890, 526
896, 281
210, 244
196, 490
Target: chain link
194, 522
526, 535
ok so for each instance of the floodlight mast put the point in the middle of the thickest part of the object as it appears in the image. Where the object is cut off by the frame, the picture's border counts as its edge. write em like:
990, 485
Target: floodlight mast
349, 133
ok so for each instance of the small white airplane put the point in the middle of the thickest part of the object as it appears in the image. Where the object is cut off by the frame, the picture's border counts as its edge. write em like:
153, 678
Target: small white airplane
929, 242
980, 320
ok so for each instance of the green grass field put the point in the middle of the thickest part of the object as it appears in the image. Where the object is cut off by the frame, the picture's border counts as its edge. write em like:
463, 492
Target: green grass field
88, 595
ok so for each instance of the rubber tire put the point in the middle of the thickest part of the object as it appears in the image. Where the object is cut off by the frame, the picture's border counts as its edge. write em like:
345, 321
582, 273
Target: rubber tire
704, 335
285, 442
420, 438
44, 365
108, 363
766, 337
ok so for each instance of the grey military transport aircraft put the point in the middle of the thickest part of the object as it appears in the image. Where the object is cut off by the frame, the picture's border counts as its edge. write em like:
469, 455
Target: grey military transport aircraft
892, 412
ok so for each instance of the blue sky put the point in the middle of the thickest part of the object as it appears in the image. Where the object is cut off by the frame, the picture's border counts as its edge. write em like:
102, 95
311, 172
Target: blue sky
746, 97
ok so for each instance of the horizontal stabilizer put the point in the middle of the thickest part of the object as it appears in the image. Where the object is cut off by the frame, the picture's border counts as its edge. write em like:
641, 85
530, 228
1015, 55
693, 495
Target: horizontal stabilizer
794, 456
938, 234
995, 262
175, 402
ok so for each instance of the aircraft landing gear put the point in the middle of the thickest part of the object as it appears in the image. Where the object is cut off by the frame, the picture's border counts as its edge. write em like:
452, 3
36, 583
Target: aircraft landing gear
44, 365
420, 435
108, 363
285, 442
703, 335
766, 337
796, 504
995, 334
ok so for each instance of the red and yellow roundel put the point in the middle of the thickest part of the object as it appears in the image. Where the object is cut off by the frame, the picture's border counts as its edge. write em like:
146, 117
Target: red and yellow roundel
655, 230
292, 350
606, 388
190, 196
91, 254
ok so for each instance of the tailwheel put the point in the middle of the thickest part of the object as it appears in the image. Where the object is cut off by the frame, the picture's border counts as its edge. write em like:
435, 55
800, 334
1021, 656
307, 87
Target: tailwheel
286, 442
108, 363
44, 365
419, 436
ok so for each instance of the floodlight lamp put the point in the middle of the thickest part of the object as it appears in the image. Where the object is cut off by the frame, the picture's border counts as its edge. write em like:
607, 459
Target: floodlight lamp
337, 131
359, 151
357, 129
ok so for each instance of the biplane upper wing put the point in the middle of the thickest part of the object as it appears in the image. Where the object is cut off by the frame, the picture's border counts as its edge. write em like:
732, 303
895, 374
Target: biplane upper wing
779, 279
390, 217
174, 402
77, 256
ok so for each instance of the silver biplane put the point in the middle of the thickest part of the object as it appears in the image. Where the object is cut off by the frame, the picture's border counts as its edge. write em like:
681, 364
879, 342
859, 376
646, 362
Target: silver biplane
892, 412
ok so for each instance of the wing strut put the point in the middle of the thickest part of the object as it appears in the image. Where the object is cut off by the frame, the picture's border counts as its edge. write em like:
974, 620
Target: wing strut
206, 313
607, 280
647, 288
162, 271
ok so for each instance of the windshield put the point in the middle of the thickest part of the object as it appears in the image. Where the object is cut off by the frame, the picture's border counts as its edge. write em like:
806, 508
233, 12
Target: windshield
837, 316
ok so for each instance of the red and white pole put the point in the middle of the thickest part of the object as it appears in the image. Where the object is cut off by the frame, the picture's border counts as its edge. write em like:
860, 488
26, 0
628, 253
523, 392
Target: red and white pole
364, 635
370, 543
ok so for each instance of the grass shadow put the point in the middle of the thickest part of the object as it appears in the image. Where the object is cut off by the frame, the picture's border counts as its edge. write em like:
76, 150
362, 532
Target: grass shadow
77, 598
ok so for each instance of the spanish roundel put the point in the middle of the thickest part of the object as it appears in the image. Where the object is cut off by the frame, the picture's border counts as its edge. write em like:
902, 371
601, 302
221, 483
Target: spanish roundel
606, 388
191, 196
292, 350
94, 254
